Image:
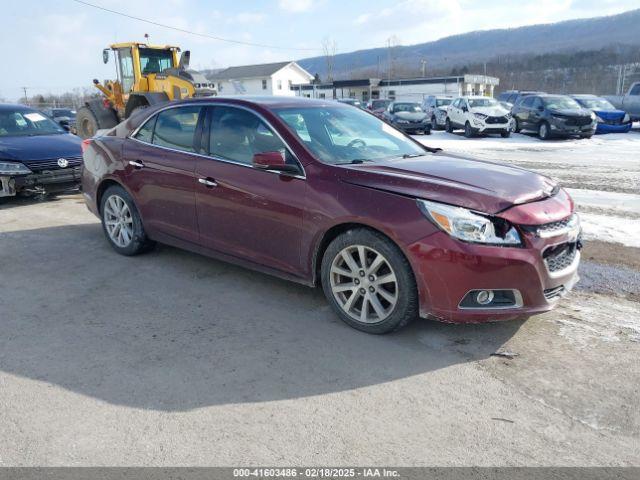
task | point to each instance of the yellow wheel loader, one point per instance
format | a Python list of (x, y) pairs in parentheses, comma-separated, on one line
[(147, 75)]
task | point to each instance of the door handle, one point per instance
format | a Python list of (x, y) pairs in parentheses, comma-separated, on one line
[(208, 182), (135, 164)]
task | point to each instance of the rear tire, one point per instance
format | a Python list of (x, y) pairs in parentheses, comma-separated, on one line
[(86, 123), (544, 131), (121, 222), (368, 282)]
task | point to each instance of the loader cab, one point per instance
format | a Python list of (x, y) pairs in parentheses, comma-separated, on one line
[(135, 61)]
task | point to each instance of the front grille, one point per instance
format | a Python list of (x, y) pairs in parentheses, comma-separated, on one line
[(553, 293), (494, 120), (51, 164), (553, 227), (559, 257), (578, 121)]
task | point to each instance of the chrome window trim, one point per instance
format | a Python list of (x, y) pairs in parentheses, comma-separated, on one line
[(215, 157)]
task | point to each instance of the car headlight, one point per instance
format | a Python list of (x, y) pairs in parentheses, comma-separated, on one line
[(598, 119), (13, 168), (469, 226), (593, 116), (480, 116), (626, 118)]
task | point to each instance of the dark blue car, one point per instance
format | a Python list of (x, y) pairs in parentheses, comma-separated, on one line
[(609, 118), (36, 154)]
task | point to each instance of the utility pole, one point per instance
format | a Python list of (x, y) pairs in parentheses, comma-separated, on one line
[(424, 67), (26, 99)]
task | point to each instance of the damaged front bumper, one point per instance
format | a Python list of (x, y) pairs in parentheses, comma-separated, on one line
[(45, 181)]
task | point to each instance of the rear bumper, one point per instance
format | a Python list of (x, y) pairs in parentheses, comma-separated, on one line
[(447, 270)]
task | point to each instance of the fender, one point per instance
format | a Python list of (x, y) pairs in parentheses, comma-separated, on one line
[(137, 99)]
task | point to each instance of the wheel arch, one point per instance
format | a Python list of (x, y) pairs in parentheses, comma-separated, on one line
[(338, 229), (110, 182)]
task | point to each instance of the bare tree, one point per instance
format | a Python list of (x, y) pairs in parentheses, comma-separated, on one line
[(329, 47)]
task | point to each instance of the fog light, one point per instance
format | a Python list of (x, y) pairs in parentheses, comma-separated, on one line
[(484, 297)]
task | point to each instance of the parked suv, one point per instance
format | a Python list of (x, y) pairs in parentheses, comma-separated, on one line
[(478, 115), (435, 106), (553, 116), (325, 194)]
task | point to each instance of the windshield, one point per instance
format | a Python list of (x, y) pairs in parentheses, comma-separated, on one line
[(407, 107), (26, 122), (483, 102), (376, 104), (154, 61), (343, 135), (596, 103), (443, 102), (560, 103), (63, 112)]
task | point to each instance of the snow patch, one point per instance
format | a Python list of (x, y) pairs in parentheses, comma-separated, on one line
[(609, 228)]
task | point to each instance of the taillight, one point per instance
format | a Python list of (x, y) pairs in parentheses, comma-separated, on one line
[(85, 144)]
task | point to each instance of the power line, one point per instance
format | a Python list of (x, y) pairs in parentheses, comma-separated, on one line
[(205, 35)]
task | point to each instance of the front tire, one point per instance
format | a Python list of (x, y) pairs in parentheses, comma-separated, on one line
[(505, 134), (544, 131), (121, 222), (434, 123), (86, 123), (468, 131), (368, 282)]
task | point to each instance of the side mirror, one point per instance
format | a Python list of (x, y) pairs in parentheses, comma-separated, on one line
[(184, 60), (540, 108), (273, 161), (105, 55), (465, 109)]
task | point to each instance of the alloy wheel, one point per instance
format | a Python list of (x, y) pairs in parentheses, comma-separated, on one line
[(118, 221), (364, 284)]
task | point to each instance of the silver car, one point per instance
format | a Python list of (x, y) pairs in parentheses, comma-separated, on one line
[(435, 106)]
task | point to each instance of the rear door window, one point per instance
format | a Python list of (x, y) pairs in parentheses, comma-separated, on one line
[(635, 90), (175, 128)]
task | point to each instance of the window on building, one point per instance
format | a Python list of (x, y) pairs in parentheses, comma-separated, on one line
[(264, 84), (322, 95), (279, 84)]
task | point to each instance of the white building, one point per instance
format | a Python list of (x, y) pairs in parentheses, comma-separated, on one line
[(408, 89), (265, 79)]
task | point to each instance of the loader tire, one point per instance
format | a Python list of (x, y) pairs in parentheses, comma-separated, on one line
[(86, 123)]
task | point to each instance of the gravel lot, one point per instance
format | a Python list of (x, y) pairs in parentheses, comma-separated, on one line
[(175, 359)]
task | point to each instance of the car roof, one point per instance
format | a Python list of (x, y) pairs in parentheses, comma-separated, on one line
[(265, 101), (12, 107)]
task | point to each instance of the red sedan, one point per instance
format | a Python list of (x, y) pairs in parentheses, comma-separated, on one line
[(326, 194)]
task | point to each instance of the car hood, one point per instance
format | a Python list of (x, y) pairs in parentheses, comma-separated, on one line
[(410, 115), (490, 111), (572, 112), (610, 114), (40, 147), (474, 184)]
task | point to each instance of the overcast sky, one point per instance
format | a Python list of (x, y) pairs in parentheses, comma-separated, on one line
[(56, 45)]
